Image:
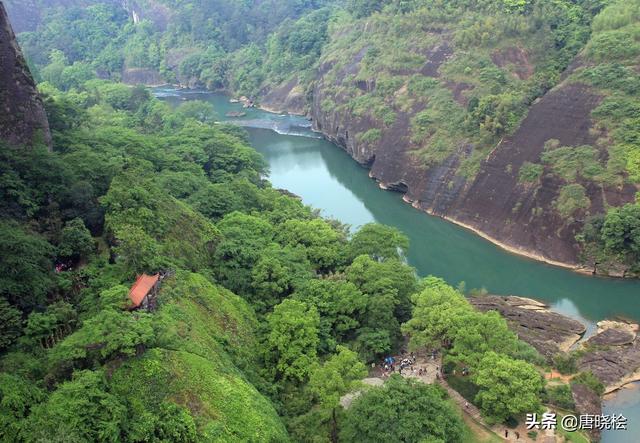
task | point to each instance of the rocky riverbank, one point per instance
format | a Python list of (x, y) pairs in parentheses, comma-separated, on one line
[(547, 331), (612, 354)]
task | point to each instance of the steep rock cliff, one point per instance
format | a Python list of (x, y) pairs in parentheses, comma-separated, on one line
[(405, 112), (23, 119)]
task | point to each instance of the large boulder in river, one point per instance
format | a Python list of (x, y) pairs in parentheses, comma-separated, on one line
[(547, 331)]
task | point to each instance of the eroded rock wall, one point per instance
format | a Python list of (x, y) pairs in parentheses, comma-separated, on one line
[(521, 217), (23, 120)]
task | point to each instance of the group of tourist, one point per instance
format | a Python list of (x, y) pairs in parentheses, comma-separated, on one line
[(406, 366)]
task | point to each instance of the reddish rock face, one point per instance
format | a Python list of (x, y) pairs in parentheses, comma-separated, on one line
[(519, 216), (23, 120)]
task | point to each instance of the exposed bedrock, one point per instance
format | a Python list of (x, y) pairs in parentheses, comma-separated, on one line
[(612, 354), (23, 120), (520, 217), (547, 331)]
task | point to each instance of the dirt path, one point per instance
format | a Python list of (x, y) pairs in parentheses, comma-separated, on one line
[(430, 368)]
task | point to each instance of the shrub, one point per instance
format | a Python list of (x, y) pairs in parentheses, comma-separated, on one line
[(589, 380), (530, 172), (572, 198), (559, 396)]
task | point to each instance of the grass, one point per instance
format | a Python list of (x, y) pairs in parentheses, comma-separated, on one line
[(574, 436)]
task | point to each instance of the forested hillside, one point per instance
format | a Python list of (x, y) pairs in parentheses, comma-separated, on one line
[(493, 114), (516, 118), (265, 315)]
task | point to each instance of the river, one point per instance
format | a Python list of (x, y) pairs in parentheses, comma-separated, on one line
[(326, 177)]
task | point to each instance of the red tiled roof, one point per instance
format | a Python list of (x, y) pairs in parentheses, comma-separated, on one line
[(141, 288)]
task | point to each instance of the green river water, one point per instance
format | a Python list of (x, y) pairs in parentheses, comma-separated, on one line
[(325, 177)]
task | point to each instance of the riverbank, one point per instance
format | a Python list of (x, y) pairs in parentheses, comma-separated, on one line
[(511, 249), (612, 354)]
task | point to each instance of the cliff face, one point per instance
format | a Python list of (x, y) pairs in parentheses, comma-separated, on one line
[(523, 216), (23, 120), (518, 216)]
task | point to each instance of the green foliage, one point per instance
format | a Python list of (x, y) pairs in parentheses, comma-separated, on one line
[(277, 274), (591, 381), (321, 241), (364, 8), (243, 238), (570, 162), (530, 172), (423, 413), (198, 110), (559, 396), (293, 340), (17, 397), (341, 306), (79, 410), (508, 387), (76, 240), (337, 376), (572, 198), (621, 231), (108, 334), (371, 136), (10, 324), (387, 286), (26, 260), (566, 363), (438, 313), (378, 241)]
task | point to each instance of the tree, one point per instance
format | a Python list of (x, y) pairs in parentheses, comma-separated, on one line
[(341, 306), (106, 335), (277, 273), (76, 240), (27, 265), (387, 287), (402, 410), (323, 244), (508, 387), (373, 277), (17, 397), (79, 410), (481, 333), (364, 8), (621, 231), (197, 110), (10, 324), (49, 327), (378, 241), (337, 376), (137, 249), (293, 340), (438, 315), (244, 237)]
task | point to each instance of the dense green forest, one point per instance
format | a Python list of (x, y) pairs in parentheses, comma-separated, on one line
[(269, 313)]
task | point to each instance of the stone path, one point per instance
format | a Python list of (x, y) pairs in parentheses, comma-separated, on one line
[(377, 376), (464, 405)]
